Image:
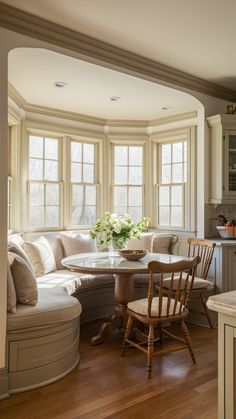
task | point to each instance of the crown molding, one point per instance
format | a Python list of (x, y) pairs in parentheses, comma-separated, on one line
[(16, 96), (173, 118), (58, 113), (110, 56)]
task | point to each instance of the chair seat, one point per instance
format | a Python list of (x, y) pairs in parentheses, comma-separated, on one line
[(141, 307), (198, 283)]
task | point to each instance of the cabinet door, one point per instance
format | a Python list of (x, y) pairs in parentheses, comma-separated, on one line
[(230, 164), (229, 270)]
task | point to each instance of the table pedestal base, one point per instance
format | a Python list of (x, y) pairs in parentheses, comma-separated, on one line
[(124, 290)]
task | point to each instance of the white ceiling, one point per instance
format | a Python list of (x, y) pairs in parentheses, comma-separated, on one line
[(33, 71), (197, 37)]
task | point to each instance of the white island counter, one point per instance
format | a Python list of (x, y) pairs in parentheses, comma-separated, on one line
[(225, 305)]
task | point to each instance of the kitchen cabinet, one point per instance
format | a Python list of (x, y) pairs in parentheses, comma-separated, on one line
[(225, 305), (223, 159)]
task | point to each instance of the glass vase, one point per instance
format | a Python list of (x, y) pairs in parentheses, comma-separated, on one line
[(117, 243)]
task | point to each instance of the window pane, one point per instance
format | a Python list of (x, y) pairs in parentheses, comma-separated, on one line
[(176, 216), (76, 152), (177, 152), (52, 216), (176, 195), (89, 215), (120, 210), (77, 215), (120, 196), (36, 169), (88, 173), (121, 176), (77, 195), (164, 195), (177, 173), (166, 173), (36, 194), (166, 153), (121, 155), (90, 195), (164, 216), (135, 213), (52, 194), (51, 148), (37, 216), (135, 197), (76, 175), (135, 175), (88, 153), (35, 146), (135, 156), (51, 170)]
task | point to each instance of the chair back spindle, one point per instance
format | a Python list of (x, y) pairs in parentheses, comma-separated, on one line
[(204, 249), (175, 301)]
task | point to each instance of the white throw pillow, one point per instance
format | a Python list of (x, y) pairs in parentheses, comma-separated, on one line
[(79, 243), (145, 242), (41, 256)]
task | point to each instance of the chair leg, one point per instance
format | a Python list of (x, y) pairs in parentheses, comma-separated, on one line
[(206, 311), (188, 340), (150, 350), (127, 333), (160, 335)]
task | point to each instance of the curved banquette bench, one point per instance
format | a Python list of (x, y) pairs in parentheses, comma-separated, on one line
[(43, 340)]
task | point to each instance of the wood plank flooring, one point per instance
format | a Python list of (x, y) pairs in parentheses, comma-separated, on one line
[(105, 385)]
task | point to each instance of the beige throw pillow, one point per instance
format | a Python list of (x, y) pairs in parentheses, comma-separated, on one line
[(14, 248), (161, 244), (24, 280), (41, 256), (11, 292), (80, 243)]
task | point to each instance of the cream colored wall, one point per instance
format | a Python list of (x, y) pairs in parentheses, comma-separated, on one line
[(11, 40)]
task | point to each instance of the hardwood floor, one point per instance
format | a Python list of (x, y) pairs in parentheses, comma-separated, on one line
[(105, 385)]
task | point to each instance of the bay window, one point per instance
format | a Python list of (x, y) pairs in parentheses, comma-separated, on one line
[(128, 182), (44, 182)]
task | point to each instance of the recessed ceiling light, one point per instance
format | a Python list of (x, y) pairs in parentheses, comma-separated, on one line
[(167, 108), (115, 98), (60, 84)]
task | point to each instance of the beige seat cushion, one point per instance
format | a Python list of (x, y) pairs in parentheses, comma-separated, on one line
[(53, 307), (72, 281), (198, 283), (41, 256), (11, 292), (141, 306), (77, 243), (24, 280)]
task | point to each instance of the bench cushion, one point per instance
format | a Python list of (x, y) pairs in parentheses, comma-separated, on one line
[(72, 281), (54, 306)]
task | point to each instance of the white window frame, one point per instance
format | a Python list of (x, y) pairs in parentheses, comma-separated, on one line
[(44, 182), (126, 143), (69, 183), (189, 211)]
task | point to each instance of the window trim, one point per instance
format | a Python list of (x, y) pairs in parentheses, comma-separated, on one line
[(127, 143), (183, 134)]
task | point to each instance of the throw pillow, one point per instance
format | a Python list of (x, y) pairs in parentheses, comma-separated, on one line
[(11, 292), (24, 280), (80, 243), (14, 248), (145, 242), (161, 244), (41, 256)]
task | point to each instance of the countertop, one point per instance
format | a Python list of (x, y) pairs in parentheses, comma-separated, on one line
[(223, 303), (222, 242)]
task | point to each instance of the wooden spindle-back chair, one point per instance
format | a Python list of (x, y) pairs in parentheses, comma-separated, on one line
[(204, 249), (153, 311)]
